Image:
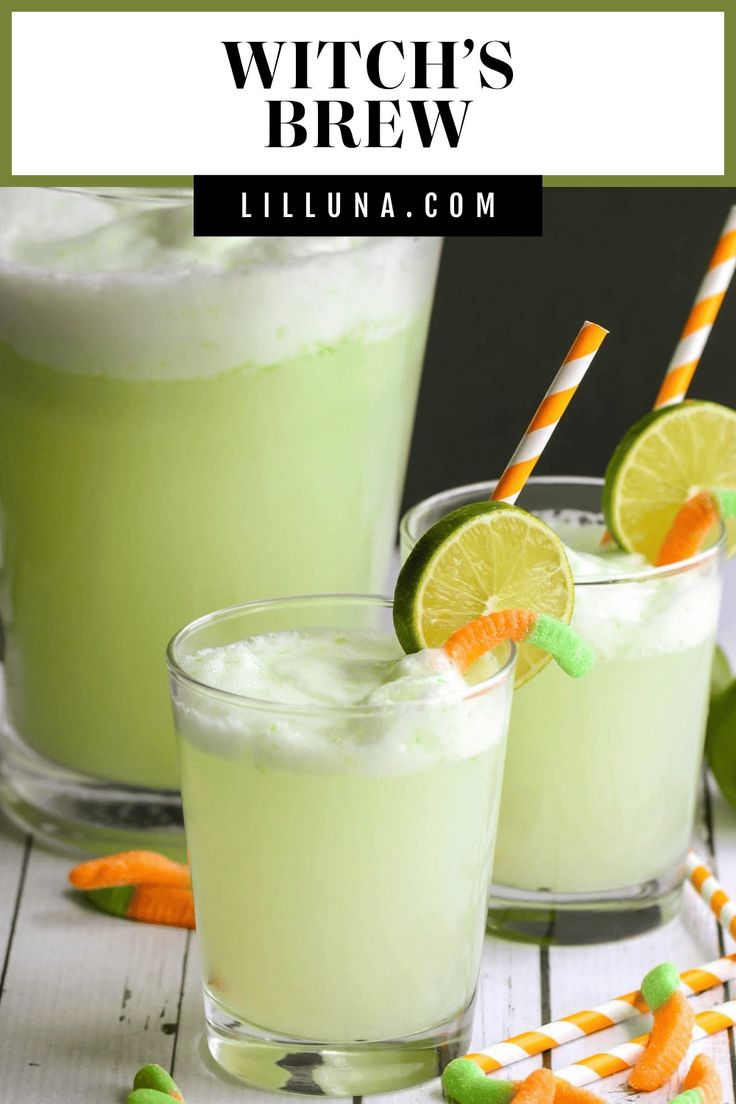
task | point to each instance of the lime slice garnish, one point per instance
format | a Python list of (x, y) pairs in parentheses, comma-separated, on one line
[(665, 458), (480, 558)]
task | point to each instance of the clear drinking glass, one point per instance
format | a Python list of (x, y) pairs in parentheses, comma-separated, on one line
[(184, 424), (340, 861), (601, 774)]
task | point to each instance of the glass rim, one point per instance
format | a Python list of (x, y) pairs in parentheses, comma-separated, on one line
[(140, 194), (359, 709), (407, 527), (163, 197)]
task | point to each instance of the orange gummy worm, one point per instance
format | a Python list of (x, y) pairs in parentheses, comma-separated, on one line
[(172, 905), (538, 1088), (473, 640), (692, 522), (130, 868), (703, 1075), (672, 1030), (565, 1093)]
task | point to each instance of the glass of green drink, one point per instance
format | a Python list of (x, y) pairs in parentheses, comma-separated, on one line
[(184, 424), (601, 774), (340, 801)]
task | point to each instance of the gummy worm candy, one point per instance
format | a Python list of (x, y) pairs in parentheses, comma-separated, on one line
[(481, 635), (465, 1083), (702, 1085), (152, 1085), (659, 984), (670, 1037), (138, 885), (538, 1088), (130, 868), (149, 1096), (692, 523), (565, 1093), (152, 904)]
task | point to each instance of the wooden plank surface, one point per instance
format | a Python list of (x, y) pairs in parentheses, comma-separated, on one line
[(14, 856), (87, 997)]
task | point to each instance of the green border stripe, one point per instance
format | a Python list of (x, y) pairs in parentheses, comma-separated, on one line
[(728, 7)]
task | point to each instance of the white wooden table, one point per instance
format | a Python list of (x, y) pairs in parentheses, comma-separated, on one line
[(85, 998)]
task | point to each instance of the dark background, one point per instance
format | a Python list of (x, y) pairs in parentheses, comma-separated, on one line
[(507, 310)]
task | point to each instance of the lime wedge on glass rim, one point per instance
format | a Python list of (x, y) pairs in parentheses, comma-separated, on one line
[(479, 558), (664, 458)]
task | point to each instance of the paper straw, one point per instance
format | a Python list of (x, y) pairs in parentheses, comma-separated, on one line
[(624, 1056), (711, 292), (618, 1058), (550, 410), (712, 892), (590, 1020)]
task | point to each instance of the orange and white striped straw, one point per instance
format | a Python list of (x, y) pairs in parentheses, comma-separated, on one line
[(696, 332), (712, 892), (550, 410), (607, 1062), (623, 1057), (590, 1020), (711, 292)]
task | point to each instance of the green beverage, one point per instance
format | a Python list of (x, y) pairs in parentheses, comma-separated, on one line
[(601, 774), (610, 764), (340, 802), (185, 423)]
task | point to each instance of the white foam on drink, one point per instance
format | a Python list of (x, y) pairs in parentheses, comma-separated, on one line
[(345, 702), (656, 615), (119, 286)]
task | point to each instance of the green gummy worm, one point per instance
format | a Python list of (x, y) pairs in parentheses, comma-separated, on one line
[(727, 503), (148, 1096), (155, 1077), (114, 900), (689, 1096), (465, 1083), (573, 654), (659, 984)]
